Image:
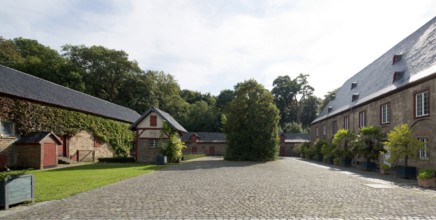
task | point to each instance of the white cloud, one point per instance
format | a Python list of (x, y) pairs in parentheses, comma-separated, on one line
[(213, 45)]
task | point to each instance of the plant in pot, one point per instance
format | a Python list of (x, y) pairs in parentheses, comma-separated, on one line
[(384, 169), (426, 178), (402, 145), (343, 140), (318, 145), (369, 145), (327, 152), (302, 148), (309, 152)]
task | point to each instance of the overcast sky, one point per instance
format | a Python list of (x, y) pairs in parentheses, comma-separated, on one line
[(211, 45)]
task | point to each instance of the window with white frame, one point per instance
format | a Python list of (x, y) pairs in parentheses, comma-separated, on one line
[(362, 119), (423, 153), (347, 122), (421, 104), (385, 113), (6, 129)]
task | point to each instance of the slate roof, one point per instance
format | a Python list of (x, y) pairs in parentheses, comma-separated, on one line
[(296, 137), (36, 138), (417, 60), (167, 117), (18, 84), (205, 136)]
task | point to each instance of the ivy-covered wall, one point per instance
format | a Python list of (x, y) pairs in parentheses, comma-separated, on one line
[(30, 116)]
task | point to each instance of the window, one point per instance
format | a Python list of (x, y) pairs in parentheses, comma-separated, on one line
[(334, 127), (6, 129), (396, 58), (152, 143), (324, 130), (317, 131), (423, 153), (153, 120), (353, 85), (397, 76), (362, 119), (421, 104), (347, 123), (385, 114), (354, 97)]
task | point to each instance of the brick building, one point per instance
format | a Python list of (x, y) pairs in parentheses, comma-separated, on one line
[(398, 87), (27, 90)]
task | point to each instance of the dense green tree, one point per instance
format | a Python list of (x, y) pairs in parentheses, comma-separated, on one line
[(402, 145), (327, 98), (202, 117), (103, 69), (369, 142), (194, 96), (9, 53), (224, 98), (309, 110), (252, 124)]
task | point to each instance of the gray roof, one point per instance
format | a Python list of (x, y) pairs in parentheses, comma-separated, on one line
[(417, 60), (296, 137), (37, 137), (21, 85), (205, 136), (167, 117)]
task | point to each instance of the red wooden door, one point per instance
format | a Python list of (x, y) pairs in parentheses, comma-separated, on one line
[(194, 149), (211, 150), (49, 154)]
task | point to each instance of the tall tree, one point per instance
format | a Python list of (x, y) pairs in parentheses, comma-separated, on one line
[(327, 98), (103, 69), (224, 98), (252, 124), (9, 54)]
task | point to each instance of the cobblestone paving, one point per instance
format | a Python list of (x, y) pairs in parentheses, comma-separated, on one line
[(211, 188)]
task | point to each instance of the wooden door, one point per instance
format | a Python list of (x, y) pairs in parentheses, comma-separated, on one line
[(50, 156), (212, 151)]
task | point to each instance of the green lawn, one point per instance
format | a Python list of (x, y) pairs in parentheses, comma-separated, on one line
[(61, 183)]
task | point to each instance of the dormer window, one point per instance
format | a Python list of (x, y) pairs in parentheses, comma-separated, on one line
[(396, 58), (329, 109), (355, 97), (353, 85), (333, 97), (397, 76)]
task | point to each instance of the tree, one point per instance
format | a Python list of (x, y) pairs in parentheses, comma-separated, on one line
[(174, 146), (224, 98), (327, 98), (369, 142), (202, 117), (9, 54), (252, 124), (103, 69), (342, 140), (401, 144), (309, 110)]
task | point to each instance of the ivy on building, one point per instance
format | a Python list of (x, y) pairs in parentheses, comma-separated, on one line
[(29, 117)]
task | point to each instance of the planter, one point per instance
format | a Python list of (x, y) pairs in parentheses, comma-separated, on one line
[(319, 157), (405, 172), (368, 166), (427, 183), (17, 190), (346, 162), (384, 171), (161, 160)]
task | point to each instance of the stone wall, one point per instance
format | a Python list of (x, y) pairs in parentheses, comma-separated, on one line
[(219, 148), (30, 156), (85, 142), (7, 151), (145, 153)]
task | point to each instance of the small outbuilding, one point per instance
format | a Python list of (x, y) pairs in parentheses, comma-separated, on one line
[(38, 150)]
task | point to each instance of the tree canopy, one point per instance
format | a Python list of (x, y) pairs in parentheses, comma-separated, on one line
[(252, 124)]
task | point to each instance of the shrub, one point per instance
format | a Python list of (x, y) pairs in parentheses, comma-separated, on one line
[(426, 174), (12, 174), (116, 160), (385, 167)]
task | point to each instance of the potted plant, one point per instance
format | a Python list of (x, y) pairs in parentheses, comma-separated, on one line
[(402, 145), (16, 187), (384, 169), (369, 145), (302, 148), (318, 145), (337, 161), (327, 152), (343, 140), (426, 178)]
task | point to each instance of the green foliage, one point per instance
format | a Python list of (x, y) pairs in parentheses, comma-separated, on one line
[(369, 142), (174, 146), (252, 124), (302, 147), (116, 160), (12, 174), (29, 117), (343, 140), (294, 127), (309, 152), (426, 173), (327, 150), (385, 167), (401, 144)]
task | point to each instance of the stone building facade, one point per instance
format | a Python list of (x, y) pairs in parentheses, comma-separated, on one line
[(397, 88), (149, 138), (207, 143)]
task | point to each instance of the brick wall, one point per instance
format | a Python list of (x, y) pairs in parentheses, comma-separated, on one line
[(84, 141)]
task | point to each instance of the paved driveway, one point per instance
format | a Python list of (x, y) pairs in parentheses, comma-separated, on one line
[(211, 188)]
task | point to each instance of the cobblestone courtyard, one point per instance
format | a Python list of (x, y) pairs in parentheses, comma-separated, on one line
[(211, 188)]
